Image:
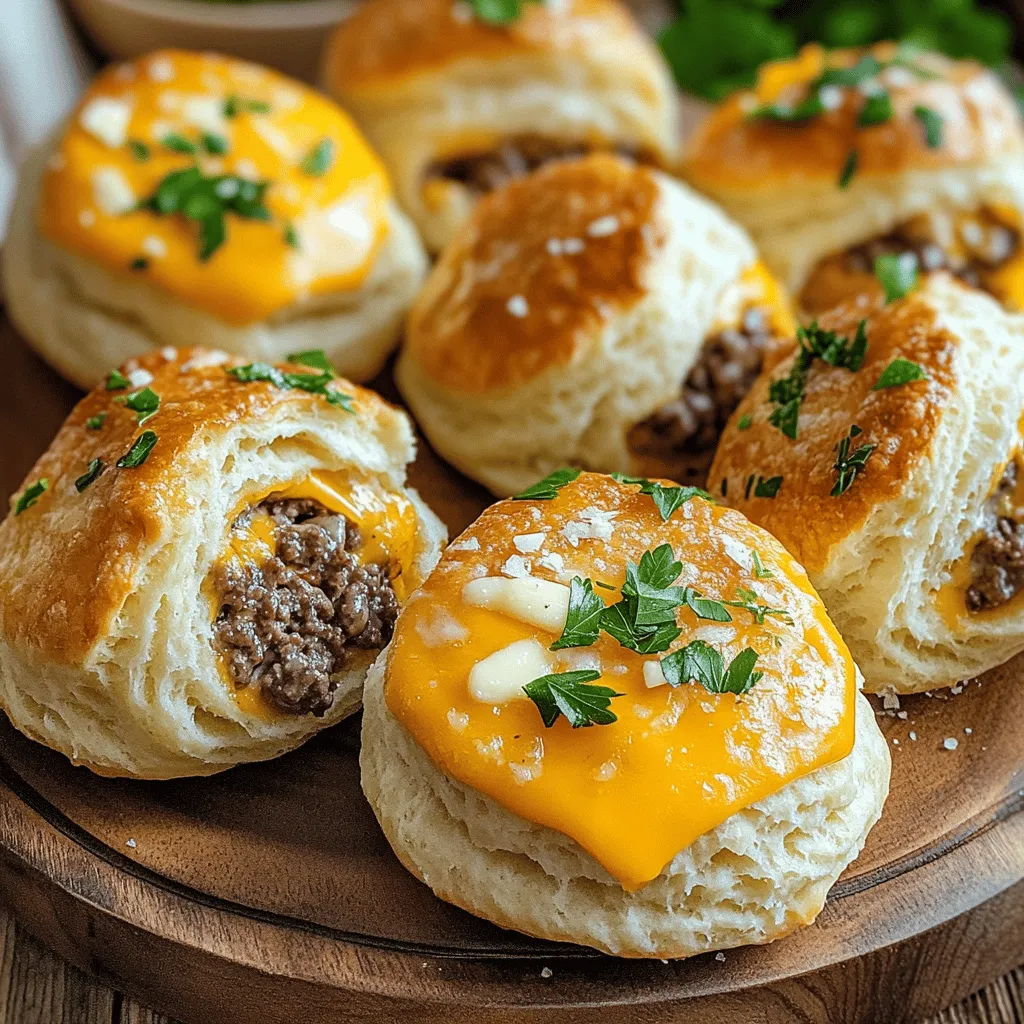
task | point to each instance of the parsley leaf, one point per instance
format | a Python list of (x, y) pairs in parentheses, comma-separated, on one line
[(706, 607), (214, 144), (699, 661), (763, 488), (139, 149), (744, 423), (760, 572), (747, 600), (667, 499), (315, 359), (139, 263), (548, 488), (644, 620), (95, 468), (570, 694), (235, 105), (897, 274), (848, 465), (314, 383), (866, 68), (145, 403), (810, 106), (583, 621), (31, 495), (877, 109), (117, 381), (291, 237), (96, 422), (932, 121), (178, 144), (849, 169), (319, 159), (139, 451), (899, 371), (499, 12)]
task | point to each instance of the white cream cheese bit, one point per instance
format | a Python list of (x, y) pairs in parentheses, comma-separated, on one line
[(106, 119), (537, 602), (653, 674), (501, 676)]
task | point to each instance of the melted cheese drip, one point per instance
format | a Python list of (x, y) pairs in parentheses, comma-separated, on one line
[(756, 286), (339, 217), (388, 534), (678, 762)]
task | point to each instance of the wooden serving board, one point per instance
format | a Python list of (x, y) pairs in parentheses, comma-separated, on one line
[(268, 893)]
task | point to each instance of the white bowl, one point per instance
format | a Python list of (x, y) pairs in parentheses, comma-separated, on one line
[(288, 35)]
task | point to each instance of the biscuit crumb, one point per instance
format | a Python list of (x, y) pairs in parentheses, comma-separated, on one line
[(131, 844), (720, 957), (546, 972), (518, 306)]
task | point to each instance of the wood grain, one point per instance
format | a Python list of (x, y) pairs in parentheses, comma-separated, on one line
[(268, 894)]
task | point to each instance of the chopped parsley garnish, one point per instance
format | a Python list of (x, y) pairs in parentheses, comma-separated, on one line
[(314, 383), (706, 607), (96, 422), (235, 105), (499, 12), (899, 371), (699, 661), (319, 159), (810, 106), (207, 200), (744, 423), (548, 488), (747, 600), (178, 144), (139, 451), (583, 621), (761, 487), (139, 149), (95, 468), (848, 464), (315, 359), (849, 169), (139, 263), (31, 495), (116, 381), (877, 109), (667, 499), (571, 694), (932, 122), (760, 572), (897, 274), (145, 403), (644, 619), (214, 144), (291, 237), (864, 70)]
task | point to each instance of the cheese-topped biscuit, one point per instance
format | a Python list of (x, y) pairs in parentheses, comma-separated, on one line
[(624, 719), (595, 313), (884, 454), (457, 106), (200, 569), (195, 199), (837, 158)]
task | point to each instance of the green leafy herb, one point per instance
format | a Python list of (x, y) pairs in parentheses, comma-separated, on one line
[(139, 149), (315, 359), (548, 488), (319, 159), (744, 423), (899, 371), (667, 499), (95, 468), (747, 599), (139, 451), (897, 273), (583, 620), (235, 105), (291, 237), (765, 488), (644, 619), (116, 381), (760, 572), (315, 383), (207, 200), (932, 121), (178, 143), (848, 465), (877, 109), (145, 403), (864, 70), (570, 694), (139, 263), (849, 169), (706, 607), (810, 106), (96, 422), (31, 495), (700, 662), (214, 144), (499, 12)]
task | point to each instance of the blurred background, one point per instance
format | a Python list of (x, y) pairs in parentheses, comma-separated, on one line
[(49, 47)]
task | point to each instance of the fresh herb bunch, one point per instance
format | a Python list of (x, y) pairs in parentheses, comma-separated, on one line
[(715, 46)]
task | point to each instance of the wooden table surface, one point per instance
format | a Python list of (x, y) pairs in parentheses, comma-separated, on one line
[(36, 987)]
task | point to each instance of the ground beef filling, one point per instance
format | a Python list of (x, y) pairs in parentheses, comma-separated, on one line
[(687, 429), (967, 248), (289, 624), (997, 562), (485, 172)]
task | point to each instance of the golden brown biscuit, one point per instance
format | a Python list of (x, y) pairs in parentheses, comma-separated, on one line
[(201, 568), (893, 479), (899, 152), (456, 106)]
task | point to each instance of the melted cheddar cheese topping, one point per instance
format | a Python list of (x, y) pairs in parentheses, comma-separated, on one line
[(388, 534), (326, 201), (678, 761), (755, 287)]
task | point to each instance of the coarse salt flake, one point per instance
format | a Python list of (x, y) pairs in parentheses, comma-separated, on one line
[(154, 246), (458, 720), (160, 69), (516, 566), (528, 542), (603, 226), (106, 119), (518, 306), (140, 378), (951, 743)]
